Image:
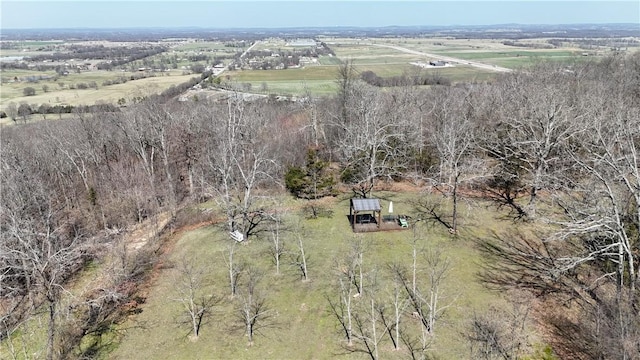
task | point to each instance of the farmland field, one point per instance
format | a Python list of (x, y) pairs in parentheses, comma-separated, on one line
[(317, 78)]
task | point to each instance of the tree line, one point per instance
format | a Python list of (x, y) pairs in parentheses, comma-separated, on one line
[(552, 146)]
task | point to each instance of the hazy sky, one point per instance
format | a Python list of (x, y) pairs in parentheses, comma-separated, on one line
[(23, 14)]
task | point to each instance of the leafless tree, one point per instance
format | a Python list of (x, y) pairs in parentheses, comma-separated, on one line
[(234, 267), (500, 333), (399, 304), (136, 132), (349, 289), (563, 271), (370, 146), (276, 232), (427, 304), (193, 294), (534, 124), (239, 160), (300, 259), (252, 308), (316, 125), (39, 249), (603, 215), (453, 136), (367, 329), (346, 76)]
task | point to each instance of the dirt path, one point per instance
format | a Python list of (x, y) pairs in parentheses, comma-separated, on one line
[(146, 230)]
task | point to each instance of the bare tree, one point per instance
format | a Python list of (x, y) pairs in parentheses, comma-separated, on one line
[(567, 271), (197, 303), (499, 333), (603, 215), (343, 308), (234, 268), (39, 249), (356, 258), (370, 143), (453, 137), (350, 279), (252, 309), (316, 125), (238, 158), (24, 110), (367, 329), (137, 135), (345, 78), (276, 230), (437, 268), (534, 125), (300, 259), (427, 304), (399, 304)]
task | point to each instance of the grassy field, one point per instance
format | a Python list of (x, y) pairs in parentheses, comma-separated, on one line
[(303, 326), (13, 92), (299, 74), (318, 80), (321, 80), (207, 46)]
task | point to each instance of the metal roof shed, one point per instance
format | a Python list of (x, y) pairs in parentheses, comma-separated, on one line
[(364, 205)]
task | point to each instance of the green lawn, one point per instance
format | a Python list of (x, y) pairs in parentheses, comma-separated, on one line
[(303, 326)]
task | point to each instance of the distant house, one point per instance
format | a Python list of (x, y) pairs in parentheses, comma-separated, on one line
[(437, 63)]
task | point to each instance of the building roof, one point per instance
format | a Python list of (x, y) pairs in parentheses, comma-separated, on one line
[(365, 204)]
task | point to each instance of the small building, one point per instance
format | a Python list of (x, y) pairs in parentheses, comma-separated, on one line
[(437, 63), (364, 211)]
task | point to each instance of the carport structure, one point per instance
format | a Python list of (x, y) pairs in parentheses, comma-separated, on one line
[(365, 211)]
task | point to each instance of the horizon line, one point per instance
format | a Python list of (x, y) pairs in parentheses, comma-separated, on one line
[(315, 27)]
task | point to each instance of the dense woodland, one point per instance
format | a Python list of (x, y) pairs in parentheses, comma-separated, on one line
[(553, 146)]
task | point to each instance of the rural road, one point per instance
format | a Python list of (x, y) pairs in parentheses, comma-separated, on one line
[(445, 58), (241, 56), (249, 49), (217, 74)]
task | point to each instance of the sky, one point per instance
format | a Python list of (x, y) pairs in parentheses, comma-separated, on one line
[(25, 14)]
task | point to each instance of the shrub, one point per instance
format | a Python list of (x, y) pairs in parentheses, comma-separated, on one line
[(29, 91)]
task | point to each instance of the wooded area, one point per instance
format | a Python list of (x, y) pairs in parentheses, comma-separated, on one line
[(557, 146)]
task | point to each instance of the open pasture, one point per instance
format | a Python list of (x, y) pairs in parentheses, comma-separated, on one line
[(56, 94)]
